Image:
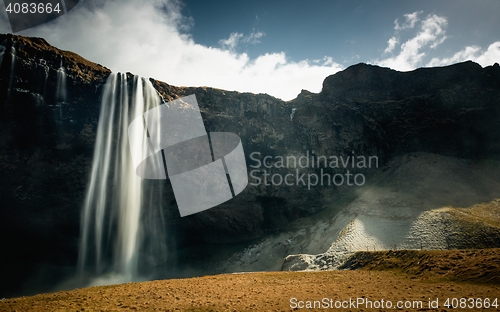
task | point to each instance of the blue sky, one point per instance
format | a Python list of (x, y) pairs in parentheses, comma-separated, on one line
[(340, 29), (277, 47)]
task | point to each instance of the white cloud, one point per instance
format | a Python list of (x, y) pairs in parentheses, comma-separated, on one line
[(149, 38), (325, 61), (391, 44), (232, 41), (411, 20), (473, 53), (490, 56), (235, 38), (465, 54), (431, 33), (254, 37)]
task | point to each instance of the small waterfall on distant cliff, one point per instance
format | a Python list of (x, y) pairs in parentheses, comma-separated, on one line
[(46, 69), (5, 53), (61, 88), (122, 220), (2, 50), (12, 66)]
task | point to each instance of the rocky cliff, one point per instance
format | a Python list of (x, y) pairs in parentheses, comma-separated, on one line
[(47, 138)]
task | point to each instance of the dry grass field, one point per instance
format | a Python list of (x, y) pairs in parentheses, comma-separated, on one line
[(407, 278)]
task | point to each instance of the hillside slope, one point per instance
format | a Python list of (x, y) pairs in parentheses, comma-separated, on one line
[(417, 201)]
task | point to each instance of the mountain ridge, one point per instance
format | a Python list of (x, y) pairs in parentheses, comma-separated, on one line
[(47, 144)]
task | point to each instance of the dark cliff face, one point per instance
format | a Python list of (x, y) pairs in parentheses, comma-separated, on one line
[(450, 110), (46, 145)]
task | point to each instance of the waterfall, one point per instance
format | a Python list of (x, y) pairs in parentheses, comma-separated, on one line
[(12, 66), (46, 69), (61, 88), (2, 51), (122, 225), (61, 84)]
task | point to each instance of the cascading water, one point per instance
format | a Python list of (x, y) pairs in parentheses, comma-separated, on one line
[(122, 227), (12, 66), (46, 69), (2, 51), (61, 88)]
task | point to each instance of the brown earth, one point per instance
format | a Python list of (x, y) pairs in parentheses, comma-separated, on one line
[(413, 276), (479, 266), (76, 65)]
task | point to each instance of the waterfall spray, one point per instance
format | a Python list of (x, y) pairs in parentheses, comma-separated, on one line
[(121, 216)]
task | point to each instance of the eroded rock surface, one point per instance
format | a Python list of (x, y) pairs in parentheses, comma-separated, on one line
[(46, 147)]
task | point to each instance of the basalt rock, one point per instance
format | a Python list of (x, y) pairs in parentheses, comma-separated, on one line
[(46, 146)]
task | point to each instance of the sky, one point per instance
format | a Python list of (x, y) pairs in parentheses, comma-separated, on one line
[(278, 47)]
